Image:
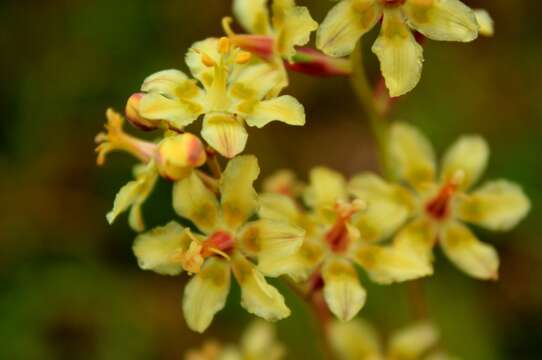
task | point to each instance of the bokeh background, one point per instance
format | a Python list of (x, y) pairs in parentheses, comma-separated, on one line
[(70, 287)]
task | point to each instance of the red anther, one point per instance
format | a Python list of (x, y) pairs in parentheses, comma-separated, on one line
[(439, 206), (337, 237), (220, 240)]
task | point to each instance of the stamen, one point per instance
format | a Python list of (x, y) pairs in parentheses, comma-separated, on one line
[(224, 45), (438, 207), (226, 25), (243, 57), (207, 60), (338, 237)]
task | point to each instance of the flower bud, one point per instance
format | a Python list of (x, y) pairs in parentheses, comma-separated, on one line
[(312, 62), (177, 155), (135, 118), (259, 45)]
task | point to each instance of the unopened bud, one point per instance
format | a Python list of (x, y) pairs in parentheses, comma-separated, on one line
[(134, 117), (259, 45), (177, 155), (312, 62)]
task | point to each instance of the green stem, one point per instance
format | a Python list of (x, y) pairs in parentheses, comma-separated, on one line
[(364, 92)]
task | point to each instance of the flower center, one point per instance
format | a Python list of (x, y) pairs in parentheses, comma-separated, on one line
[(339, 237), (439, 206), (392, 3), (220, 242)]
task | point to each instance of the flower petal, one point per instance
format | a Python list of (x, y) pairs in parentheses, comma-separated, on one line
[(193, 58), (253, 15), (259, 342), (180, 112), (477, 259), (254, 82), (497, 205), (326, 188), (278, 207), (487, 26), (285, 108), (401, 57), (224, 133), (343, 293), (164, 82), (345, 23), (155, 249), (417, 238), (468, 155), (206, 294), (238, 198), (388, 206), (257, 296), (413, 342), (388, 264), (270, 239), (355, 340), (444, 20), (192, 200), (299, 266), (133, 195), (293, 26), (412, 155)]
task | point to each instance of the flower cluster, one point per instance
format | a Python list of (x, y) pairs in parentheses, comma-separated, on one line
[(316, 235)]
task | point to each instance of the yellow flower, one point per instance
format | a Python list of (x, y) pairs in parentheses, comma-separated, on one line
[(257, 343), (235, 91), (358, 340), (226, 243), (290, 25), (434, 208), (332, 244), (400, 56)]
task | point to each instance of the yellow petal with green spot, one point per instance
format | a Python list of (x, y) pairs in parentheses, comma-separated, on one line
[(192, 200), (133, 195), (388, 206), (475, 258), (285, 109), (239, 200), (468, 156), (206, 294), (400, 55), (293, 29), (411, 155), (497, 205), (270, 239), (343, 292), (325, 189), (299, 266), (253, 15), (388, 264), (155, 250), (444, 20), (355, 340), (257, 296), (413, 341), (224, 133), (345, 23)]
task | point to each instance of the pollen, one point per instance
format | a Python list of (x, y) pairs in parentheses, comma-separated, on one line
[(224, 45), (243, 57)]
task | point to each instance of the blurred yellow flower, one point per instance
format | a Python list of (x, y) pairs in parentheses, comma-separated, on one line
[(236, 90), (226, 242), (257, 343), (358, 340), (332, 243), (400, 56), (434, 208)]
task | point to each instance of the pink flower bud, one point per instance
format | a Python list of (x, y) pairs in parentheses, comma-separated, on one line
[(312, 62)]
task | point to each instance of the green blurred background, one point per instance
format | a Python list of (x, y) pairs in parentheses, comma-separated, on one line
[(69, 285)]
